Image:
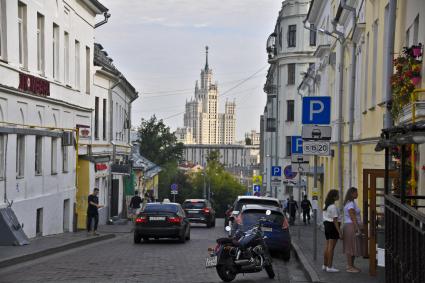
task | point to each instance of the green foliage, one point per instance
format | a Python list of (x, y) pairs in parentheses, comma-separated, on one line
[(248, 141), (158, 143)]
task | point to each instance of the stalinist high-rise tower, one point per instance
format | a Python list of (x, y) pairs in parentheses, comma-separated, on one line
[(202, 122)]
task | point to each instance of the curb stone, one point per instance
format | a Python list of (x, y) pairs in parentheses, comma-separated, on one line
[(308, 268), (43, 253)]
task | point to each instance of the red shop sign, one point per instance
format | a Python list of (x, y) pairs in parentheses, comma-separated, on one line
[(101, 166), (33, 84)]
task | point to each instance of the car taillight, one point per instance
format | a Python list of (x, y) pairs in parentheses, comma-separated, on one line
[(142, 219), (206, 210), (285, 224), (174, 219)]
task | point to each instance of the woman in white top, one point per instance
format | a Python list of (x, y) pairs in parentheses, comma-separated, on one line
[(353, 230), (332, 231)]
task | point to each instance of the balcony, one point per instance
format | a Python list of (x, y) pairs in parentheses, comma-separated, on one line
[(271, 125), (406, 112), (271, 90)]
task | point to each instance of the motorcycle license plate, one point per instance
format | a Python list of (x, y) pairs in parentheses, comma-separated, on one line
[(266, 229), (211, 261)]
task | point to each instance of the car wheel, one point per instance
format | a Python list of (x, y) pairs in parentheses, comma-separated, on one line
[(209, 224), (137, 238), (286, 255), (188, 234), (145, 239), (213, 224), (182, 238)]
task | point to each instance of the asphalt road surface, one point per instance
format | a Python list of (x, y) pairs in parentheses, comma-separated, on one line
[(120, 260)]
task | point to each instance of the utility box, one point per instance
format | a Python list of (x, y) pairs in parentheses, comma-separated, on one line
[(11, 231)]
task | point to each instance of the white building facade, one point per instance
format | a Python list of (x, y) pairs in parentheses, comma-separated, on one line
[(46, 55), (290, 49), (202, 122)]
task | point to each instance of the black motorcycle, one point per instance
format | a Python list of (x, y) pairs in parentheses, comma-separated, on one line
[(246, 252)]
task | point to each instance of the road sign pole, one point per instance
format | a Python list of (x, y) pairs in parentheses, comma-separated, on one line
[(174, 197), (315, 212)]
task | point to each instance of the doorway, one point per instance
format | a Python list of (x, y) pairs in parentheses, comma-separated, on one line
[(39, 222), (373, 214), (66, 208), (115, 196)]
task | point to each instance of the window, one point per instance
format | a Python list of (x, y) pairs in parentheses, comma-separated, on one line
[(2, 154), (290, 110), (375, 62), (20, 155), (22, 33), (65, 159), (38, 155), (66, 57), (288, 145), (2, 28), (40, 43), (416, 30), (366, 75), (77, 64), (96, 117), (291, 74), (54, 155), (87, 70), (292, 35), (104, 119), (55, 51), (313, 34)]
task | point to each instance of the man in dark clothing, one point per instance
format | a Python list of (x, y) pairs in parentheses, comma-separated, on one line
[(293, 208), (135, 202), (306, 206), (92, 213)]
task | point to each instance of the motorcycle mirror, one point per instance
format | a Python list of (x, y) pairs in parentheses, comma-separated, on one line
[(268, 212), (227, 228), (235, 212)]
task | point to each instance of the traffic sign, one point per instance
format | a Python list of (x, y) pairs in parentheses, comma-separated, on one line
[(276, 171), (298, 158), (275, 183), (257, 179), (288, 172), (174, 187), (301, 168), (174, 192), (316, 110), (297, 145), (314, 132), (256, 188), (317, 148)]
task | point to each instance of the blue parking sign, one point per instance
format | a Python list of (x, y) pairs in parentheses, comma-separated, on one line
[(297, 145), (276, 171), (316, 110)]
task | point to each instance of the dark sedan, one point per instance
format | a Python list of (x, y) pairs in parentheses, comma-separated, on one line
[(161, 220), (200, 211)]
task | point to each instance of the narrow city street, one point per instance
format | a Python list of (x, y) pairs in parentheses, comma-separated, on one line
[(119, 260)]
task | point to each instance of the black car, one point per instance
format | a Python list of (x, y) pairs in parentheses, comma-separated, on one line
[(161, 220), (199, 211)]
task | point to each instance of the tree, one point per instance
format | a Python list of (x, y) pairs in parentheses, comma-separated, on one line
[(248, 141), (158, 143)]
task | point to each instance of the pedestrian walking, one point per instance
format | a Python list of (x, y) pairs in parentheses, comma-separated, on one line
[(353, 230), (306, 206), (331, 221), (92, 211), (293, 208), (285, 206), (135, 202)]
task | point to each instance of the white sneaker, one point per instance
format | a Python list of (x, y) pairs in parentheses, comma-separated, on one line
[(324, 267), (331, 269)]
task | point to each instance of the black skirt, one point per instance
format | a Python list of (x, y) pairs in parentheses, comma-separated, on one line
[(330, 231)]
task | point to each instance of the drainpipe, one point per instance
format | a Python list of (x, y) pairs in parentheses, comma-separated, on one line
[(388, 57), (341, 39), (104, 21), (351, 94), (277, 125)]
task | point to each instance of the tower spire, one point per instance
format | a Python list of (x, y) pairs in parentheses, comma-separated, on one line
[(206, 58)]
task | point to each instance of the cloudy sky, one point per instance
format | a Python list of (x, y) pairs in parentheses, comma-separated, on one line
[(159, 45)]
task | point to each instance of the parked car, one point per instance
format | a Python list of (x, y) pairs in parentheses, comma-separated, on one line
[(275, 227), (200, 211), (244, 200), (161, 220)]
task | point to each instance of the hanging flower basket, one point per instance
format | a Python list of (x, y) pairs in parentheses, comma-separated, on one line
[(406, 78)]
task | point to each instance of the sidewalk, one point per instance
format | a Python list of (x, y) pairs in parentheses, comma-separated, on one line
[(47, 245), (302, 239)]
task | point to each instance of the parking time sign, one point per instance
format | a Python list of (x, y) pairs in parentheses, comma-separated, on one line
[(316, 110)]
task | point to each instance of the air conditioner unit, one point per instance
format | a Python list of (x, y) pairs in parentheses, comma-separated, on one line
[(67, 139)]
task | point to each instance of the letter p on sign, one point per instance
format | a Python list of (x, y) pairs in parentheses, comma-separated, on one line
[(316, 110)]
